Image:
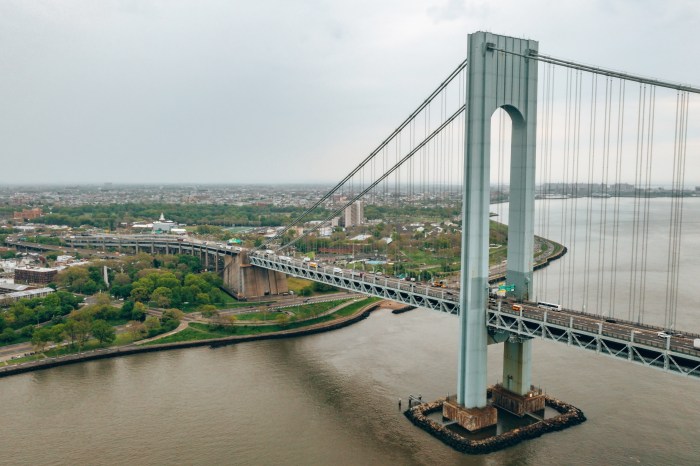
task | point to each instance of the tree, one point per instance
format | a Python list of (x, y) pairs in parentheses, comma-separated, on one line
[(139, 312), (57, 332), (70, 331), (8, 335), (137, 329), (121, 279), (103, 332), (40, 338), (208, 311), (127, 308), (162, 296), (221, 320), (140, 294), (83, 328), (102, 299), (202, 298), (152, 324), (172, 315)]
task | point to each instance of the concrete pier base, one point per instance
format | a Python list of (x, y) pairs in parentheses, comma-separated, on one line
[(472, 419), (532, 401)]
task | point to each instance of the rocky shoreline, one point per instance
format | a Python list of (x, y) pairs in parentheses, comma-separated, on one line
[(569, 416)]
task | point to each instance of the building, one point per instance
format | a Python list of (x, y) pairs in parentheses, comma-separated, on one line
[(26, 214), (34, 276), (163, 225), (354, 214), (11, 296)]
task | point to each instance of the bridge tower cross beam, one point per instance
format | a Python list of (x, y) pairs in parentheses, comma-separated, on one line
[(498, 76)]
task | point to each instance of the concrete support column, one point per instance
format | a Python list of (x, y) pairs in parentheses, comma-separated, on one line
[(517, 366)]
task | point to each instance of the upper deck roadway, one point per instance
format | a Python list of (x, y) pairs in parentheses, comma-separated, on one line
[(633, 342)]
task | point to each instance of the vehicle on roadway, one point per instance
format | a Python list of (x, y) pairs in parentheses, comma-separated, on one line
[(549, 306), (337, 270), (696, 343), (313, 264), (663, 335)]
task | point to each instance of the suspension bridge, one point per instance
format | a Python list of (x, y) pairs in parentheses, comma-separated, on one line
[(597, 160)]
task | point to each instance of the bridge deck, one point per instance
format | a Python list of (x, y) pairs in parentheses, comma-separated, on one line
[(637, 343), (629, 341)]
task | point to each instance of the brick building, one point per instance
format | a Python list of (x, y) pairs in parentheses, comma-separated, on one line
[(34, 276)]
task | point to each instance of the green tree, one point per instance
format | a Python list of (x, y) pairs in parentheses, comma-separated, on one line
[(208, 310), (140, 294), (8, 335), (70, 331), (139, 312), (57, 332), (83, 329), (103, 332), (172, 315), (152, 324), (162, 296), (126, 309), (40, 338)]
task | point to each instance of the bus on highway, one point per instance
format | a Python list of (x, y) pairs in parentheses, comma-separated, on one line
[(550, 306)]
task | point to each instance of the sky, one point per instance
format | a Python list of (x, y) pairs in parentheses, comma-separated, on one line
[(271, 91)]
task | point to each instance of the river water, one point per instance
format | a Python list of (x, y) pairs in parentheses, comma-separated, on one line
[(331, 399)]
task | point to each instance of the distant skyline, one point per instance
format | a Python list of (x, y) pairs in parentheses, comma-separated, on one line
[(233, 92)]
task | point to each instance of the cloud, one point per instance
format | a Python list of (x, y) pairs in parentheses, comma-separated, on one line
[(233, 91)]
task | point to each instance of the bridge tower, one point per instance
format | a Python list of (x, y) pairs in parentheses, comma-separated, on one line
[(499, 75)]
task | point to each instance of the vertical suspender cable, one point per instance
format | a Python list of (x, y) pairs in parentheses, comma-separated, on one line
[(647, 199), (617, 191)]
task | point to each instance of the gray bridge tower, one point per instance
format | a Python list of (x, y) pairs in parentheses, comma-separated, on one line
[(499, 75)]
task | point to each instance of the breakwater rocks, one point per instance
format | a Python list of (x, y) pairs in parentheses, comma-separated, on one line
[(401, 310), (569, 415), (134, 349)]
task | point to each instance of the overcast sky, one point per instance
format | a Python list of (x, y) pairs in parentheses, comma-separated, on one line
[(232, 91)]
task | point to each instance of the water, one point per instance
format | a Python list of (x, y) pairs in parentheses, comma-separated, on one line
[(598, 279), (332, 399)]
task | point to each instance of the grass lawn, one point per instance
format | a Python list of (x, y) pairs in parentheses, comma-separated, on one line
[(263, 315), (228, 304), (198, 331), (295, 284), (308, 310)]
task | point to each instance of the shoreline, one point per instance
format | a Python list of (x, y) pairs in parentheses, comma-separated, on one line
[(130, 349)]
